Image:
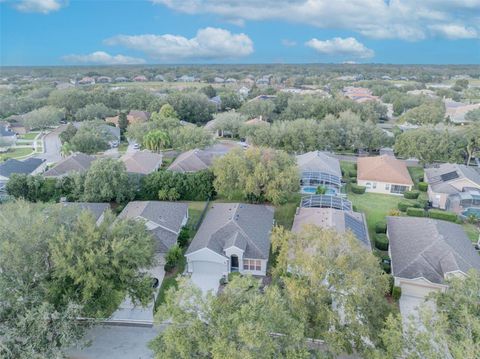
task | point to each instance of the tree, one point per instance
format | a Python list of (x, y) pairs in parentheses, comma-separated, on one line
[(156, 140), (471, 138), (43, 118), (189, 137), (71, 100), (473, 115), (229, 122), (91, 137), (333, 285), (33, 188), (230, 101), (122, 121), (95, 111), (209, 91), (66, 150), (107, 180), (167, 111), (192, 107), (57, 265), (238, 323), (429, 113), (452, 331), (256, 108), (137, 131), (67, 134), (258, 174)]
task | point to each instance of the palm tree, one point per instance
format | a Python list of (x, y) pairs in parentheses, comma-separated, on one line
[(66, 149), (156, 140)]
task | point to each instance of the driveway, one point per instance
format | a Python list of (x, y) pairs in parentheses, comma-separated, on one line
[(206, 281), (52, 145), (116, 342)]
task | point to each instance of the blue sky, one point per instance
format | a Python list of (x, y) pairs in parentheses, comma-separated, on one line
[(61, 32)]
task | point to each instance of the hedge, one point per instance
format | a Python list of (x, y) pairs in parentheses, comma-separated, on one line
[(415, 212), (403, 205), (423, 186), (396, 293), (446, 216), (381, 241), (357, 189), (381, 227), (411, 194), (352, 173)]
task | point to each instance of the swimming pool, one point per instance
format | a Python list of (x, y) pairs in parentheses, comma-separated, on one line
[(471, 211), (313, 190)]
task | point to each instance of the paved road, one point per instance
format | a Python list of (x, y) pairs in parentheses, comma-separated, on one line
[(52, 145)]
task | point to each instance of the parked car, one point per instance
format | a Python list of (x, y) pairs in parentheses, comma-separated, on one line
[(136, 146)]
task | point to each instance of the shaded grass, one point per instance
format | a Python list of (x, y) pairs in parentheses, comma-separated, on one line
[(285, 213), (15, 153), (472, 231), (29, 136)]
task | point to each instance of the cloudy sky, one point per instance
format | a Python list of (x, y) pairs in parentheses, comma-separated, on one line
[(62, 32)]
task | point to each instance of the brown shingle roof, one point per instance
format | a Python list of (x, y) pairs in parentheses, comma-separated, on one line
[(143, 162), (383, 169)]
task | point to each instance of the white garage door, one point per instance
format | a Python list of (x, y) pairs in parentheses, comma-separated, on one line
[(206, 275)]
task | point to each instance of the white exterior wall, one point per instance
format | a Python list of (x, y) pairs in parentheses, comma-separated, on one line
[(205, 255), (262, 272), (239, 253), (418, 287), (381, 187)]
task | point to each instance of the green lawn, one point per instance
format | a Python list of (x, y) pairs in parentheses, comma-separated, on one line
[(122, 147), (29, 136), (472, 231), (285, 213), (15, 153), (416, 173), (195, 209)]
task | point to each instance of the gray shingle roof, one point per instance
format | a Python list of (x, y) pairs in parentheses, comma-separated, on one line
[(143, 162), (439, 183), (428, 248), (97, 209), (246, 226), (78, 162), (12, 166), (164, 220), (196, 160), (317, 161)]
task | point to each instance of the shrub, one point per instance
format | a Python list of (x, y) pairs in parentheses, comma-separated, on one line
[(411, 194), (415, 212), (381, 241), (232, 275), (386, 268), (421, 203), (381, 227), (172, 257), (394, 213), (357, 189), (422, 186), (446, 216), (403, 205), (183, 237), (396, 293), (352, 173), (223, 281)]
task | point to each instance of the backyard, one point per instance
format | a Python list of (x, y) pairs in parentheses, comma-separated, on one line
[(15, 153)]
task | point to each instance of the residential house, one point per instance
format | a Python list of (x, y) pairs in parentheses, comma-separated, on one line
[(383, 174), (231, 80), (86, 81), (233, 237), (197, 159), (142, 162), (319, 169), (244, 91), (262, 81), (164, 220), (218, 80), (134, 116), (454, 187), (425, 253), (96, 209), (159, 78), (186, 78), (217, 101), (256, 121), (331, 218), (121, 79), (104, 79), (78, 162), (29, 166), (140, 78), (359, 94), (7, 136)]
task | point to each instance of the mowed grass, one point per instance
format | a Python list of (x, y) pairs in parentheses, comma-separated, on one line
[(29, 136), (472, 231), (285, 213), (16, 153)]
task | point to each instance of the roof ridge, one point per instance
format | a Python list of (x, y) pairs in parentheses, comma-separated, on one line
[(242, 231)]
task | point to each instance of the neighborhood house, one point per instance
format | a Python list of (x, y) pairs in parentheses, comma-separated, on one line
[(319, 169), (142, 162), (78, 162), (30, 166)]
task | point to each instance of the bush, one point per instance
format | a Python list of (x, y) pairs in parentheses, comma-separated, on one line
[(381, 227), (403, 205), (422, 186), (411, 194), (232, 275), (394, 213), (381, 241), (172, 257), (446, 216), (421, 203), (223, 281), (386, 268), (396, 293), (352, 173), (183, 237), (357, 189), (415, 212)]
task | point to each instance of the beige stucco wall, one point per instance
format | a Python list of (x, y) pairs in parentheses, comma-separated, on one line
[(380, 187)]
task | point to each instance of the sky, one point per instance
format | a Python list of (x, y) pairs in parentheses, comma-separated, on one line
[(118, 32)]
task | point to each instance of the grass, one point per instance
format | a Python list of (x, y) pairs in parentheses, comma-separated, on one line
[(285, 213), (169, 281), (472, 231), (122, 147), (29, 136), (416, 173), (195, 209), (15, 153), (347, 166)]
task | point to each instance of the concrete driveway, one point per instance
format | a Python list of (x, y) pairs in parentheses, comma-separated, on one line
[(206, 281), (52, 145)]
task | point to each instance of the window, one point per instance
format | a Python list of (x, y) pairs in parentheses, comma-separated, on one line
[(397, 189), (252, 264), (374, 185), (387, 186), (368, 184)]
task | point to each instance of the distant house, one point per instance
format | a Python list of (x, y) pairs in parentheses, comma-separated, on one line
[(134, 116), (244, 91), (383, 174), (87, 81), (142, 162), (256, 121), (454, 187), (164, 220), (331, 218), (219, 80), (455, 111), (159, 78), (30, 166), (78, 162), (121, 79), (359, 94), (7, 136), (96, 209), (217, 101), (318, 168), (140, 78), (196, 160), (262, 81), (425, 252), (104, 79), (233, 237), (231, 80), (186, 78)]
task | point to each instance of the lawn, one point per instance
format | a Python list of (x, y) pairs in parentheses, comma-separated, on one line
[(195, 209), (285, 213), (472, 231), (15, 153), (122, 147), (416, 173), (29, 136)]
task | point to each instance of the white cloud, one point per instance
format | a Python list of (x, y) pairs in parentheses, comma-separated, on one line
[(209, 43), (288, 43), (454, 31), (41, 6), (403, 19), (337, 46), (103, 58)]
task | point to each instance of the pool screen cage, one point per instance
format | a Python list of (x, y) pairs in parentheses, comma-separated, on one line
[(314, 178), (325, 201)]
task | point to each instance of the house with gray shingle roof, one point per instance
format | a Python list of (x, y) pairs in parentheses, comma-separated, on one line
[(164, 220), (233, 237), (96, 209), (30, 166), (142, 162), (453, 187), (425, 252), (78, 162), (200, 159)]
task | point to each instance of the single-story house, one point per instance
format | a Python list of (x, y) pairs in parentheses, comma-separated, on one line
[(383, 174), (142, 162), (319, 169), (197, 159), (97, 209), (164, 220), (29, 166), (78, 162), (233, 237), (217, 101), (331, 218), (424, 253), (104, 79), (134, 116), (140, 78), (7, 136), (453, 187)]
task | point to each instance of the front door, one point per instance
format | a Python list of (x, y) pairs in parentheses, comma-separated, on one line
[(234, 263)]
